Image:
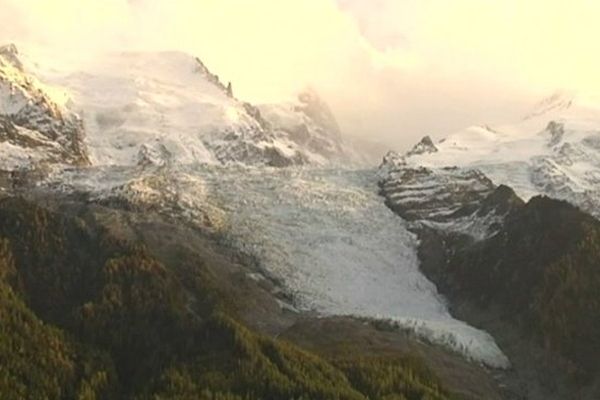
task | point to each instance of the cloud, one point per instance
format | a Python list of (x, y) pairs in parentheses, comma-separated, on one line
[(65, 23), (391, 69), (536, 43), (269, 48), (376, 24)]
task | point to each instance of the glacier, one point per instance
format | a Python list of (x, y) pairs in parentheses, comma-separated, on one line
[(324, 234)]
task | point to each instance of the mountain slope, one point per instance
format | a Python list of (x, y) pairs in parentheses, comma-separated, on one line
[(309, 123), (167, 107), (156, 121), (543, 270), (35, 126), (525, 272), (450, 199)]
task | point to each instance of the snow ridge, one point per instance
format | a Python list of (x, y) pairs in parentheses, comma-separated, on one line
[(554, 153), (136, 104)]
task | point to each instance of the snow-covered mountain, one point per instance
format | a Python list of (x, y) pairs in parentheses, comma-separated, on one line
[(554, 150), (35, 125), (163, 135), (162, 107)]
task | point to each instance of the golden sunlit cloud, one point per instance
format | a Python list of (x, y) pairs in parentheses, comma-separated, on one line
[(545, 43), (383, 64)]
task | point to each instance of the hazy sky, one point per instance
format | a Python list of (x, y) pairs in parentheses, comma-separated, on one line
[(391, 69)]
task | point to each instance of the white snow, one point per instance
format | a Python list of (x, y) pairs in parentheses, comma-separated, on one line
[(132, 99), (169, 103)]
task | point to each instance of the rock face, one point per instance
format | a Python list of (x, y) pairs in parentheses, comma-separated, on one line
[(169, 104), (533, 285), (34, 127), (307, 122), (540, 273), (435, 195), (425, 146), (451, 199), (572, 170)]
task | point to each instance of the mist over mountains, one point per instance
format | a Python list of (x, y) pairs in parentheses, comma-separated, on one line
[(296, 210)]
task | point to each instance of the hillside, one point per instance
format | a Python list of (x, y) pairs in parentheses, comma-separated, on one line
[(92, 312), (543, 273), (525, 272), (160, 238)]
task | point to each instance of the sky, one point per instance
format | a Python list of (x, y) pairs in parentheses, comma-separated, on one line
[(392, 70)]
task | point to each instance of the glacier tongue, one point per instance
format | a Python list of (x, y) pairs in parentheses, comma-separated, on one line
[(326, 235)]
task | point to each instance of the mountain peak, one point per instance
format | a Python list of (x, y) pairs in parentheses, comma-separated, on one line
[(34, 127), (10, 48), (10, 53), (318, 110), (308, 122), (425, 146)]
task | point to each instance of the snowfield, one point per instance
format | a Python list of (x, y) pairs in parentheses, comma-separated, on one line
[(326, 235)]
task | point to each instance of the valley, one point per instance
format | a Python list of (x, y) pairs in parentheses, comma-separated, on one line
[(259, 253)]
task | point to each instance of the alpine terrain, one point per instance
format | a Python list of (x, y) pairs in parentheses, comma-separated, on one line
[(162, 239), (508, 229)]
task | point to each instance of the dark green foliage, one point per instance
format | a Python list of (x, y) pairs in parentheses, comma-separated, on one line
[(35, 360), (38, 361), (138, 311), (86, 316), (390, 379), (567, 303), (504, 268), (251, 366), (542, 271), (59, 258), (238, 361)]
